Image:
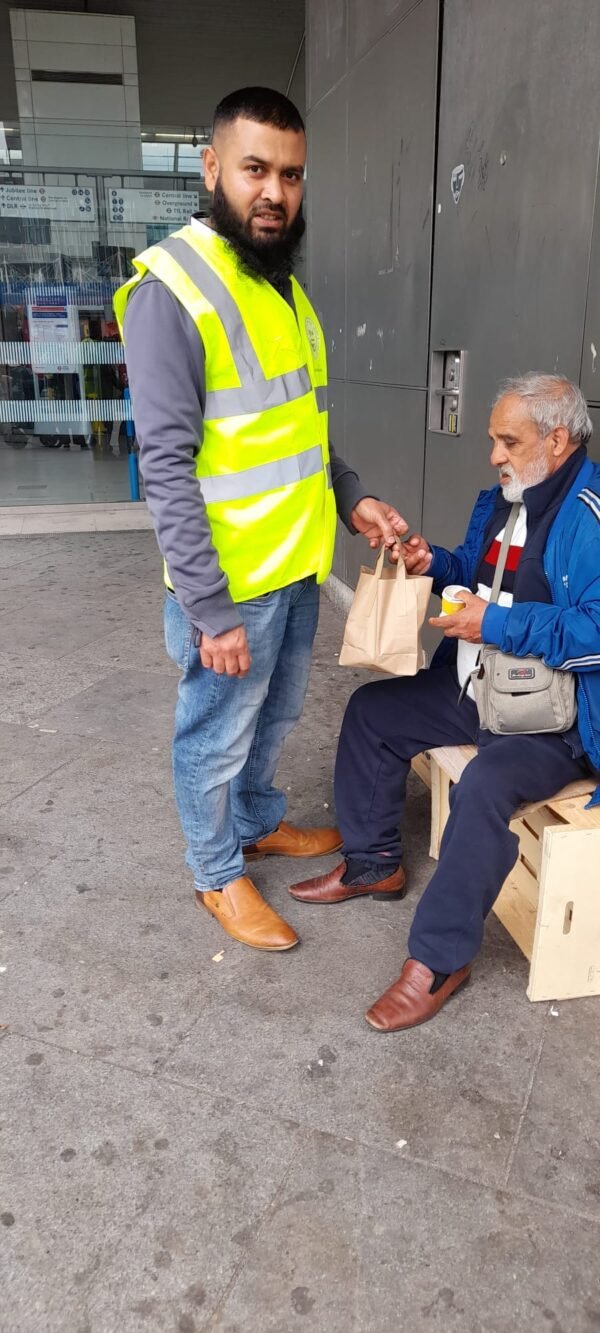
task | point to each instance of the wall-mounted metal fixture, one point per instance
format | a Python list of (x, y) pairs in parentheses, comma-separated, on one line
[(446, 391)]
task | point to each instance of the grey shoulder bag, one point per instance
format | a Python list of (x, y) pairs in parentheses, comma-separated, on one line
[(516, 695)]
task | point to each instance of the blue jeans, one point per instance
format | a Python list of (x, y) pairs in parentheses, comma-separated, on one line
[(229, 732)]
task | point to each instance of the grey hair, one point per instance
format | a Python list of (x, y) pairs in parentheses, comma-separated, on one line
[(552, 401)]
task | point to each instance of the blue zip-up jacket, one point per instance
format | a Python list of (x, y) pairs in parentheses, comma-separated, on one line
[(565, 634)]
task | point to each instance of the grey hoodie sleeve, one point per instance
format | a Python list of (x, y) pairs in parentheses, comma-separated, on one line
[(165, 366), (347, 488)]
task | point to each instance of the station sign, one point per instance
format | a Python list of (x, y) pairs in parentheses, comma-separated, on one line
[(58, 203), (169, 207)]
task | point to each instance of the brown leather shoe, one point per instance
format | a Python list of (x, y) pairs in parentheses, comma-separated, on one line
[(244, 914), (329, 888), (290, 841), (409, 1001)]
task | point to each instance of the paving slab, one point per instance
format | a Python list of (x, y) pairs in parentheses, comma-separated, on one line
[(51, 563), (28, 754), (126, 1203), (357, 1240), (135, 644), (20, 856), (558, 1156), (292, 1036), (97, 549), (55, 626), (112, 800), (134, 706), (20, 861), (105, 958), (27, 694), (17, 552), (59, 614)]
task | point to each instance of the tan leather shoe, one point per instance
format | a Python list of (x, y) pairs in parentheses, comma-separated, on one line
[(409, 1001), (329, 888), (290, 841), (244, 914)]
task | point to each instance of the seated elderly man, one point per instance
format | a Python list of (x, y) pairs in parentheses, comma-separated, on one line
[(548, 607)]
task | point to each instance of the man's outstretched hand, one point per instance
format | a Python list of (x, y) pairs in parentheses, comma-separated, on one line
[(416, 554), (228, 654), (380, 523)]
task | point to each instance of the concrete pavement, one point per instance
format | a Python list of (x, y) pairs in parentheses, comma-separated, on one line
[(195, 1136)]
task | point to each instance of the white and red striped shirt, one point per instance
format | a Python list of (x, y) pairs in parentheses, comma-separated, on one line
[(468, 652)]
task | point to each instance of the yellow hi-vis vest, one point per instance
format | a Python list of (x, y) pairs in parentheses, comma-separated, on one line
[(263, 463)]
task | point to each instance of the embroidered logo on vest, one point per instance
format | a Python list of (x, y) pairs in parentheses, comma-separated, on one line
[(312, 334)]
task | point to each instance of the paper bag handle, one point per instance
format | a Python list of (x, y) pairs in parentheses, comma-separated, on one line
[(377, 573)]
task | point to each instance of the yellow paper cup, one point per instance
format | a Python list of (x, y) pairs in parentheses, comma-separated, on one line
[(451, 600)]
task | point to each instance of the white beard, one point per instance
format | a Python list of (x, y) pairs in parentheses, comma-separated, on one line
[(532, 475)]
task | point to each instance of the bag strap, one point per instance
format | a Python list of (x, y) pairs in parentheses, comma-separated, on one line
[(377, 574), (503, 552), (497, 583)]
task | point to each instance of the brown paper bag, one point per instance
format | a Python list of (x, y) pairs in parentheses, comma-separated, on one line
[(383, 629)]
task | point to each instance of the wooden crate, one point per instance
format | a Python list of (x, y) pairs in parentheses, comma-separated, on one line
[(550, 902)]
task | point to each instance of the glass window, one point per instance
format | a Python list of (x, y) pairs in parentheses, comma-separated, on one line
[(189, 159), (158, 156), (66, 241)]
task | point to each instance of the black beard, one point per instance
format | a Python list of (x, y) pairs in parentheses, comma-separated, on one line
[(271, 258)]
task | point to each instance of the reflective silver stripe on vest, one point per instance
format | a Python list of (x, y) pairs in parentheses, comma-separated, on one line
[(265, 477), (256, 394)]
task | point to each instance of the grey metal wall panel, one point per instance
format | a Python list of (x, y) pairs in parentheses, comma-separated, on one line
[(590, 360), (384, 434), (326, 213), (337, 435), (594, 446), (376, 271), (390, 202), (520, 106), (368, 21), (326, 37), (297, 89)]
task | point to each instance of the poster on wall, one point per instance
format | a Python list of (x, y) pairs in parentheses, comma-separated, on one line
[(52, 322), (169, 207), (58, 203)]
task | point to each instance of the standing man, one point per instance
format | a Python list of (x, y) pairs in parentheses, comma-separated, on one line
[(228, 373)]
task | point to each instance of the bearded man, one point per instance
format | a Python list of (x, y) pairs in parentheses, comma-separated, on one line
[(528, 572), (228, 373)]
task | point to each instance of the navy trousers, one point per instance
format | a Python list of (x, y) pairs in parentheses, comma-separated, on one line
[(385, 725)]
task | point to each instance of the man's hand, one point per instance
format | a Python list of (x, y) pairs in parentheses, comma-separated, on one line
[(416, 554), (228, 654), (465, 624), (380, 523)]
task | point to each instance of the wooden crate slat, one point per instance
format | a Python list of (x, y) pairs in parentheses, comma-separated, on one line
[(453, 759), (526, 882), (440, 808), (530, 844), (517, 915), (573, 811), (539, 819), (421, 765)]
